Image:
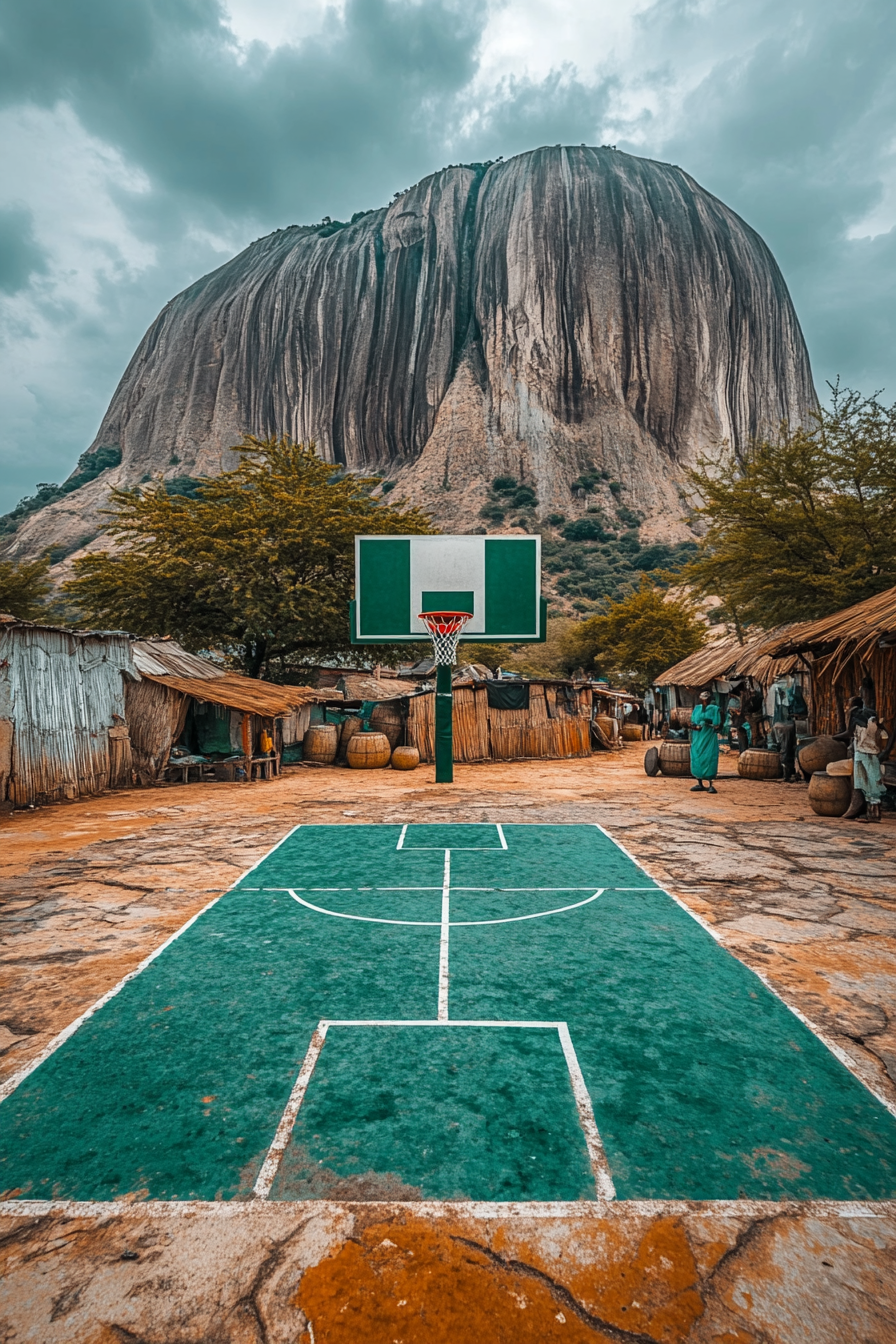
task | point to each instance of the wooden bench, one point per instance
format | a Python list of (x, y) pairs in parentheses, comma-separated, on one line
[(264, 767), (182, 769)]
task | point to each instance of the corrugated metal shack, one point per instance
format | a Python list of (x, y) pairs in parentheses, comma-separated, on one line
[(62, 712), (221, 714), (552, 720)]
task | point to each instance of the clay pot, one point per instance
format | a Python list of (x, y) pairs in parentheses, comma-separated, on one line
[(829, 795), (819, 754), (675, 758), (368, 751), (405, 758), (632, 732), (320, 742), (758, 763)]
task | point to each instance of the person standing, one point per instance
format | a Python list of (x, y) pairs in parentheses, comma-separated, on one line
[(644, 720), (736, 716), (870, 746), (855, 715), (756, 718), (705, 722)]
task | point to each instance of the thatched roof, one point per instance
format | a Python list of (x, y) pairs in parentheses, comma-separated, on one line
[(862, 626), (727, 659), (166, 663), (365, 686), (758, 659), (712, 661), (246, 693)]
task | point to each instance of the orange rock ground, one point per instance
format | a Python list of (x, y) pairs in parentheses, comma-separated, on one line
[(88, 889)]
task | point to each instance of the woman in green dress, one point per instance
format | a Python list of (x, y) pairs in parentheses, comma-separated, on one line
[(705, 722)]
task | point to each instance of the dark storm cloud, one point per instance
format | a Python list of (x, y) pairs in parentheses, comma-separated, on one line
[(20, 255), (525, 113), (233, 142), (256, 132), (790, 132), (785, 111)]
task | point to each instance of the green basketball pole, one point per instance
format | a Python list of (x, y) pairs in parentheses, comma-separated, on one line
[(444, 733)]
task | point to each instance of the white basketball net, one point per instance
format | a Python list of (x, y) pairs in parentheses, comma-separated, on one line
[(445, 629)]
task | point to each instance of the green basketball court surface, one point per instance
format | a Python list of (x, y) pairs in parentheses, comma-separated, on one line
[(460, 1012)]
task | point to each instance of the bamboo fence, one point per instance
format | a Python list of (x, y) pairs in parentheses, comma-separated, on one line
[(556, 725)]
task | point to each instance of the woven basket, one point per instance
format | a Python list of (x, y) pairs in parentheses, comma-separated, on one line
[(829, 795), (405, 758), (758, 763), (320, 742), (817, 755), (675, 758), (368, 751)]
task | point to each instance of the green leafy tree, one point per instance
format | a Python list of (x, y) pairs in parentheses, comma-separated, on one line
[(804, 524), (258, 562), (24, 587), (636, 638), (556, 657)]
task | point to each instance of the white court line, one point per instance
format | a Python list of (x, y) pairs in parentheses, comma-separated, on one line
[(435, 1022), (834, 1048), (271, 1164), (599, 1166), (488, 1210), (438, 923), (443, 939), (466, 849), (457, 888), (597, 1159), (17, 1078)]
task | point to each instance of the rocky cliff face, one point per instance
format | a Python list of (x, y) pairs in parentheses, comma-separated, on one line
[(571, 309)]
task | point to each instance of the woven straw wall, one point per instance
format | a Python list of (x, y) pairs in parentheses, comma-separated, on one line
[(556, 725)]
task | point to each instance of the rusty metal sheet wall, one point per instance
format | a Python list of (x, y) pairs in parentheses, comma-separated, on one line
[(60, 691)]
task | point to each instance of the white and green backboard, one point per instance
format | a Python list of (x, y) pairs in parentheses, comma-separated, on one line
[(498, 579)]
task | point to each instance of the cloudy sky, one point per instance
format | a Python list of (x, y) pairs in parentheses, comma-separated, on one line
[(143, 142)]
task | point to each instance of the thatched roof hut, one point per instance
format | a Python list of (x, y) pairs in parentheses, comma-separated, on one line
[(852, 652), (547, 718), (723, 665), (226, 711)]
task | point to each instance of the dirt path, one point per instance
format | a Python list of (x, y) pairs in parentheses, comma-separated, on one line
[(89, 889)]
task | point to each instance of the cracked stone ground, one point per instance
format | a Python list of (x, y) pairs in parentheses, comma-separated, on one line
[(91, 888)]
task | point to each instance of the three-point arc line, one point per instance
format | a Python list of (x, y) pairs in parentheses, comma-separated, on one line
[(437, 923)]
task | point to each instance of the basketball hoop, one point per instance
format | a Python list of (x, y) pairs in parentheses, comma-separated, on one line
[(445, 629)]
